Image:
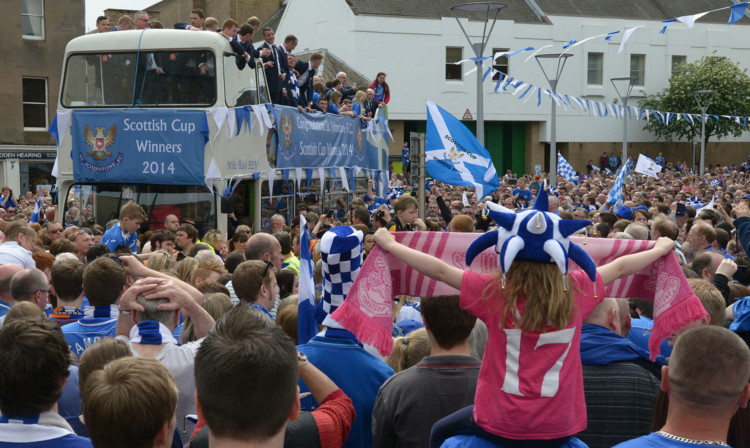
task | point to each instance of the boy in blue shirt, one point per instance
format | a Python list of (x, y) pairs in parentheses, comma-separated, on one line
[(123, 233)]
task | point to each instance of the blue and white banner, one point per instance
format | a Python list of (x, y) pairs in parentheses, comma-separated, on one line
[(37, 210), (565, 170), (454, 156), (139, 146), (307, 326), (615, 194), (308, 140)]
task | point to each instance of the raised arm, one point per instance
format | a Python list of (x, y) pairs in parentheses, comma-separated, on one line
[(426, 264), (630, 264)]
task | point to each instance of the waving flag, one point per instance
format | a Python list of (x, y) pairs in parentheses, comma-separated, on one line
[(454, 156), (307, 326), (647, 166), (615, 195), (37, 210), (565, 170)]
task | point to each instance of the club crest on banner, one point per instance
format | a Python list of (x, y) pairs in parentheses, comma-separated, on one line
[(360, 137), (99, 143), (287, 128)]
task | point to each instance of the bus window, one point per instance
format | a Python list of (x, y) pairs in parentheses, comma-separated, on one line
[(240, 87), (162, 78), (88, 204)]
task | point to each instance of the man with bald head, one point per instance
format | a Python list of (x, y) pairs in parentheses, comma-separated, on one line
[(701, 236), (707, 383), (171, 223), (6, 274), (30, 285), (619, 381)]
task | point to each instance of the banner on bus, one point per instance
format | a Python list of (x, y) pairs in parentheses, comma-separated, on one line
[(139, 146), (308, 140)]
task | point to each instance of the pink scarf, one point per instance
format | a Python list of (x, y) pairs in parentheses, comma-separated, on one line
[(367, 310)]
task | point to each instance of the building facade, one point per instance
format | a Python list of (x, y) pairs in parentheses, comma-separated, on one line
[(34, 39), (416, 43)]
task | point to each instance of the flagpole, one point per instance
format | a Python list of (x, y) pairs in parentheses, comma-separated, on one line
[(479, 50), (624, 98), (561, 59)]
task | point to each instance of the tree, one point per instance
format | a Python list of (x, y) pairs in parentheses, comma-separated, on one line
[(732, 86)]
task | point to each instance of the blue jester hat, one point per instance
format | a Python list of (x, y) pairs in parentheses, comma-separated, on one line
[(534, 235)]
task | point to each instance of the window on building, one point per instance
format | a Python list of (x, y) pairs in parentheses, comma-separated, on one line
[(501, 64), (32, 19), (35, 104), (638, 68), (453, 54), (595, 69), (676, 61)]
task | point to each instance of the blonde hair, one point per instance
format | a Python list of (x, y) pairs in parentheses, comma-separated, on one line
[(185, 269), (216, 304), (540, 286), (159, 261), (409, 350)]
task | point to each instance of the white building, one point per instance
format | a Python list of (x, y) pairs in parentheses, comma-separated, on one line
[(414, 41)]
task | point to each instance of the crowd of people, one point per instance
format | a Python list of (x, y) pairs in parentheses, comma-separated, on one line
[(192, 335), (290, 81)]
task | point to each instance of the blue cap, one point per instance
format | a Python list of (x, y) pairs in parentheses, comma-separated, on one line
[(682, 209), (624, 212), (747, 196), (640, 207), (409, 325)]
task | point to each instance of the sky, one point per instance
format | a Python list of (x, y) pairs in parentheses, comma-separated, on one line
[(95, 8)]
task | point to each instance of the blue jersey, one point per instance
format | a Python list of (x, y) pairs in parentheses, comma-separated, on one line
[(22, 433), (4, 308), (80, 335), (114, 238)]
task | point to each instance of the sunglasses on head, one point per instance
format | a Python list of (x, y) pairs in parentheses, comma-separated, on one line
[(268, 266)]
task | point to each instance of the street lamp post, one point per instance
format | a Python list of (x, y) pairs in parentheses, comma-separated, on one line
[(624, 98), (561, 59), (707, 96), (479, 48)]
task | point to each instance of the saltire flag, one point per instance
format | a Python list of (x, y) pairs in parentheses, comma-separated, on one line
[(454, 156), (615, 195), (37, 210), (307, 326), (565, 170)]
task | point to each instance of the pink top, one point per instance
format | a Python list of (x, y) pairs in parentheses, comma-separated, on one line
[(530, 384)]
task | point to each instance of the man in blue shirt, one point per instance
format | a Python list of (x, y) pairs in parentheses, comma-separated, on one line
[(103, 283), (522, 192)]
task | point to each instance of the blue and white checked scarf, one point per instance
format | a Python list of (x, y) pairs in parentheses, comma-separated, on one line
[(294, 84), (341, 254), (565, 170), (615, 195), (151, 332), (108, 311), (716, 183)]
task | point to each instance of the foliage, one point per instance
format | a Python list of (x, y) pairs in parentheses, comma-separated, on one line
[(732, 86)]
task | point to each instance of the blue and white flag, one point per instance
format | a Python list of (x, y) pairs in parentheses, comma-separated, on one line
[(307, 326), (37, 210), (615, 195), (565, 170), (454, 156)]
